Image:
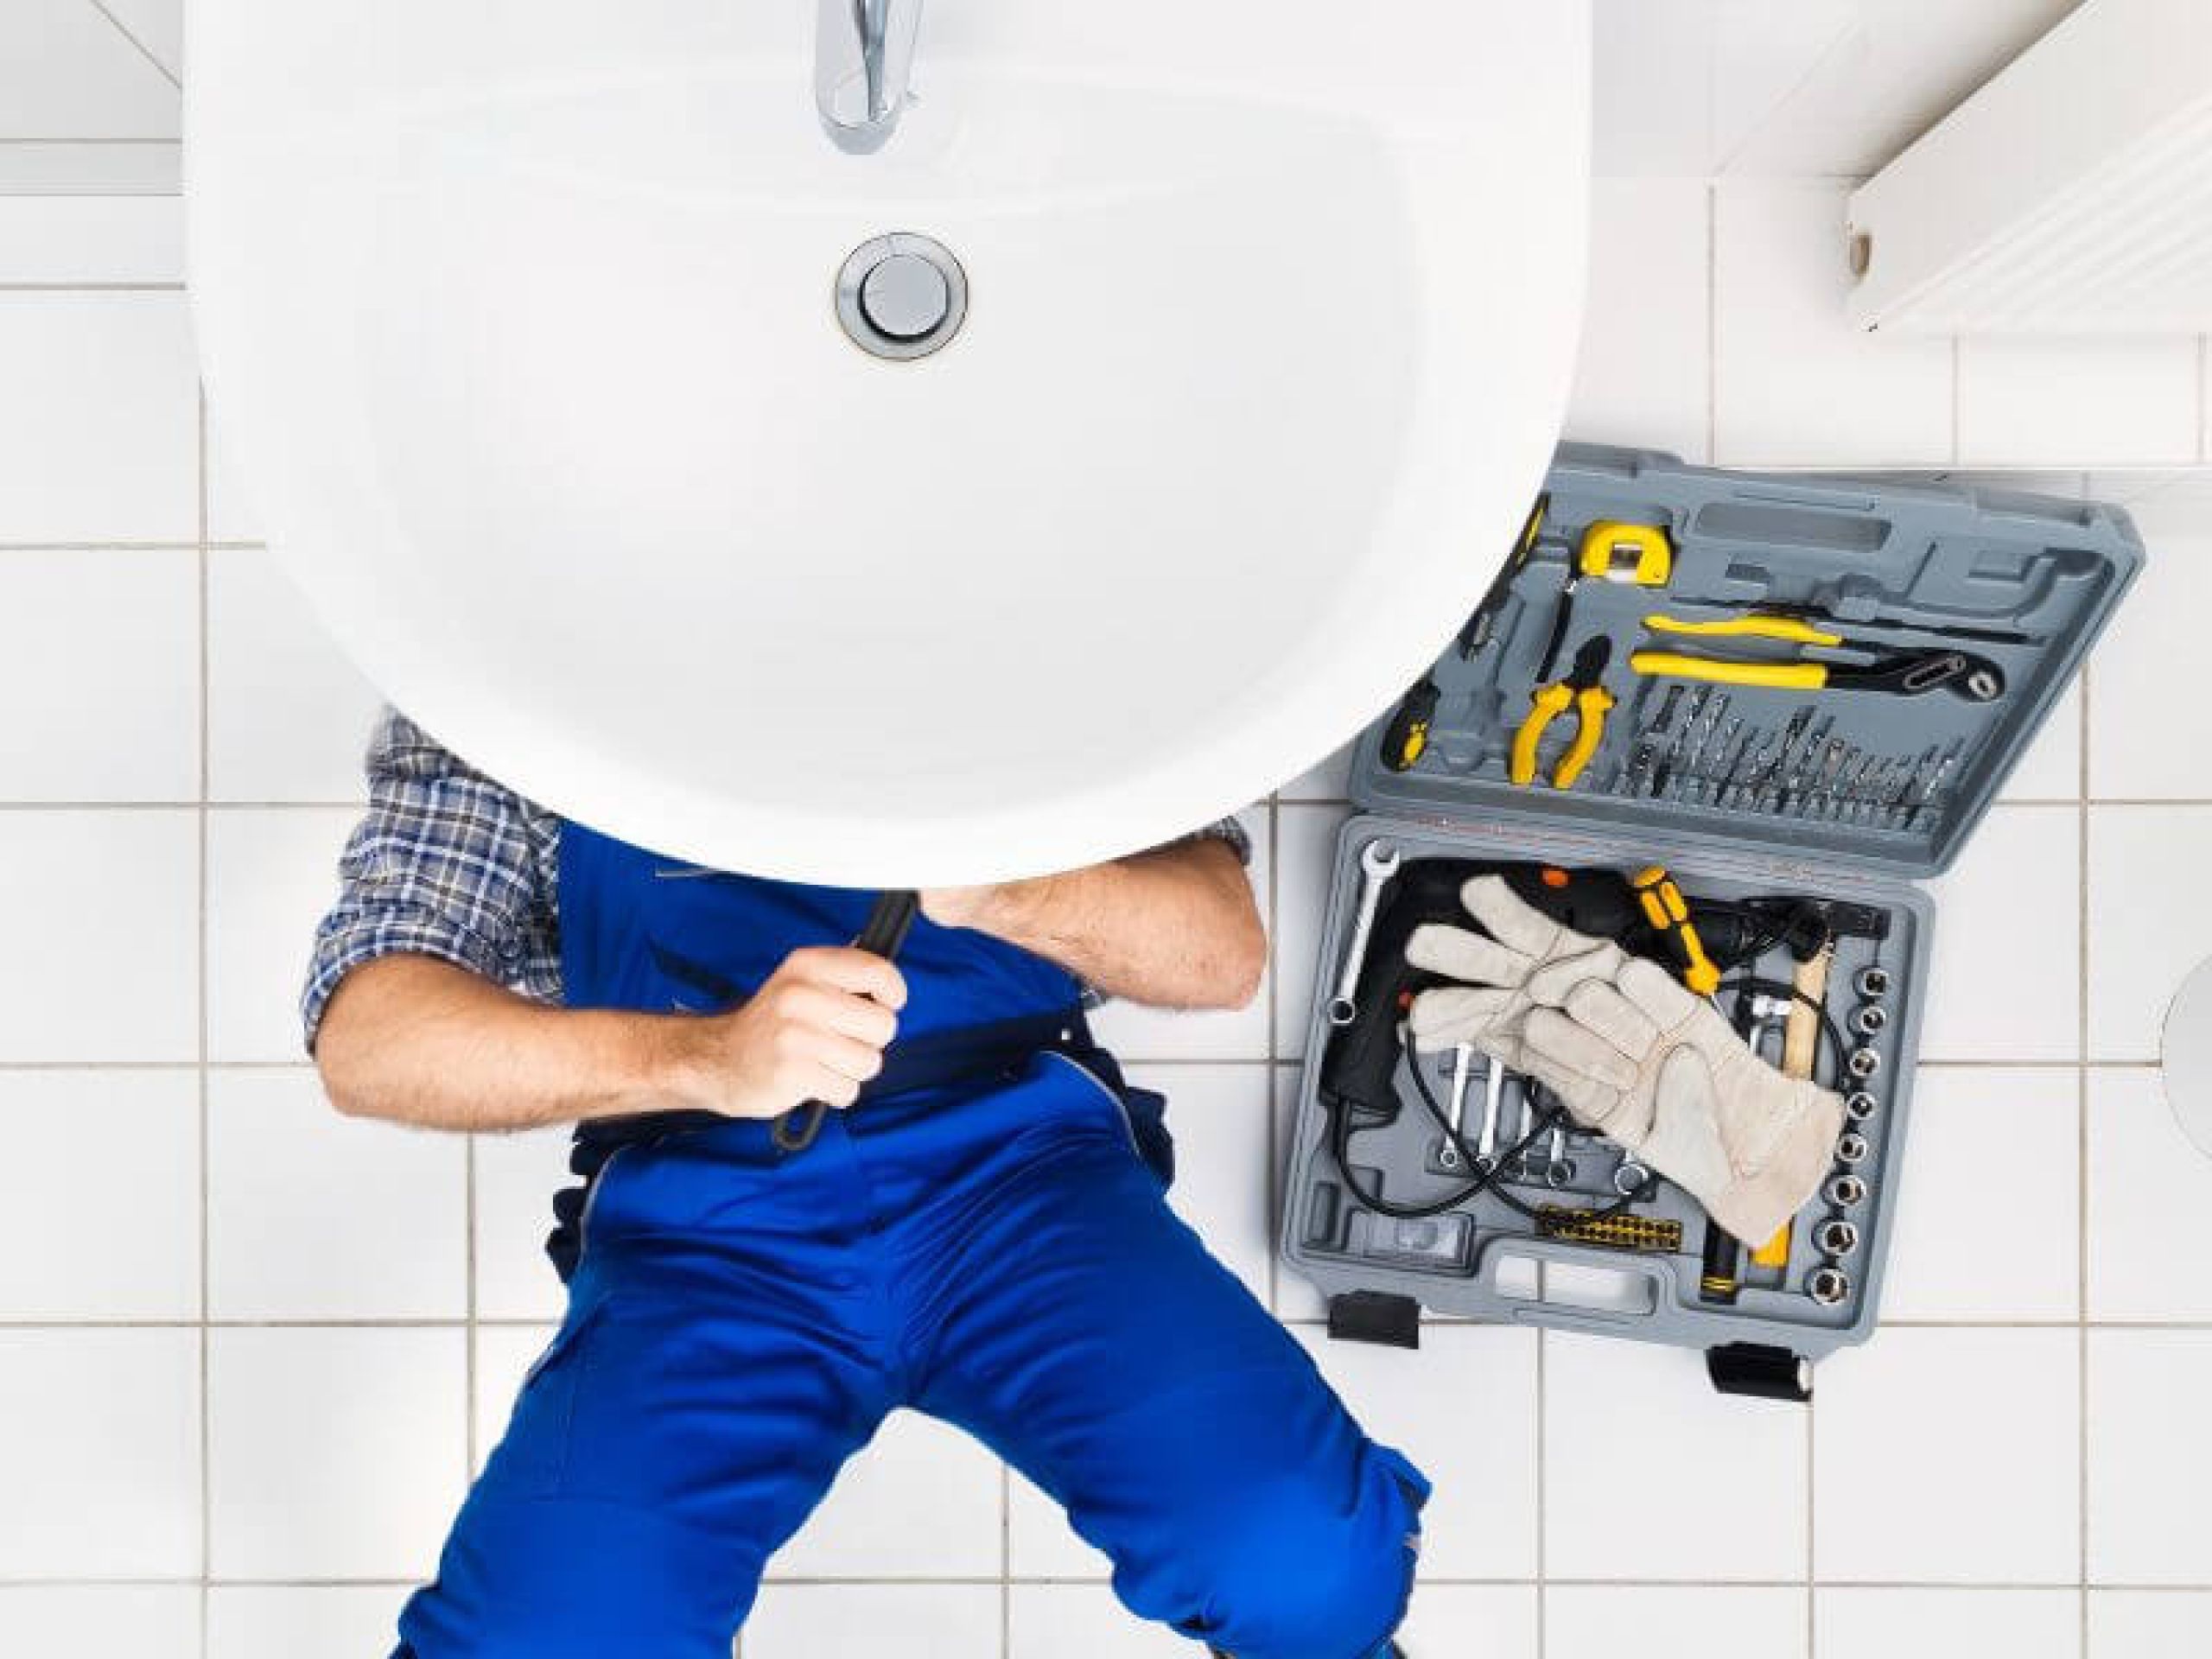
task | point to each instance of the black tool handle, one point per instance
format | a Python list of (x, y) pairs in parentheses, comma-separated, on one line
[(888, 923)]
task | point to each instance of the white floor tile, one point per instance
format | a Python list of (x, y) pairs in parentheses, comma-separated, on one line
[(2145, 1261), (2051, 768), (92, 239), (1084, 1621), (1899, 1623), (103, 1621), (1729, 1468), (2077, 403), (1644, 375), (101, 1225), (288, 716), (915, 1621), (100, 1434), (1327, 779), (1990, 1155), (1795, 383), (315, 1215), (65, 73), (504, 1354), (99, 418), (1979, 1427), (2147, 929), (1306, 846), (2006, 982), (1040, 1544), (2150, 1457), (112, 900), (1469, 1621), (1481, 1522), (270, 877), (2135, 753), (289, 1623), (1592, 1621), (335, 1453), (112, 638), (516, 1176), (1220, 1116), (232, 515), (2148, 1624), (1135, 1033), (1296, 1297), (920, 1501)]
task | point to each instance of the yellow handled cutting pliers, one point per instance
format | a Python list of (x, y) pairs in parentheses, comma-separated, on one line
[(1582, 691), (1900, 673)]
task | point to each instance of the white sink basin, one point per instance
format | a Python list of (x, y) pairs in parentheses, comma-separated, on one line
[(519, 322)]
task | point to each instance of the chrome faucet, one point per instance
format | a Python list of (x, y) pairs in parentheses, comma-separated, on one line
[(863, 59)]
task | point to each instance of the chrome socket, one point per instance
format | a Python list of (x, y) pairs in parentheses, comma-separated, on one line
[(1871, 1020), (1853, 1149), (1847, 1192), (1873, 984), (1860, 1106), (1836, 1236), (1827, 1285), (1863, 1062)]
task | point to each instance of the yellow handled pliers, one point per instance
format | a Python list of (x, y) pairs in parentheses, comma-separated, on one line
[(1582, 691), (1906, 673)]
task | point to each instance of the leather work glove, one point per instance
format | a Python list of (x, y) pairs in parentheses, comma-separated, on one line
[(1632, 1054)]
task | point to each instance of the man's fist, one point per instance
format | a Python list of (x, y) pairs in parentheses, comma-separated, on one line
[(816, 1031)]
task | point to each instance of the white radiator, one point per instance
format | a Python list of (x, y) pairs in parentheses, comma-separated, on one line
[(2072, 194)]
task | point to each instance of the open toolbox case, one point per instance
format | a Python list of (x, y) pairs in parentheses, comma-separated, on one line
[(1960, 615)]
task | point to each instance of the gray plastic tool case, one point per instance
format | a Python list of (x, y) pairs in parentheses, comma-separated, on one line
[(2022, 582)]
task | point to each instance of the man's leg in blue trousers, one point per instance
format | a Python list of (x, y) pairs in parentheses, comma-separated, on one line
[(1098, 1346)]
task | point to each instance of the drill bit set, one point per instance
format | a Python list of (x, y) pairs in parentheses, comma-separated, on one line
[(1798, 695)]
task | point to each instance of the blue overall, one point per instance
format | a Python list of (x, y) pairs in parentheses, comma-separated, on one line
[(984, 1238)]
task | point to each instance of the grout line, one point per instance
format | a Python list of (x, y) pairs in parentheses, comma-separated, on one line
[(1712, 307), (136, 45), (206, 1260), (1271, 1198), (1543, 1483), (2082, 1161), (91, 287)]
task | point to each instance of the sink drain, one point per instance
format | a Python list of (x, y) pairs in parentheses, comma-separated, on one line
[(902, 296)]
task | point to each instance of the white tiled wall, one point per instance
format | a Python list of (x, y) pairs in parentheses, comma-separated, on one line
[(249, 1353)]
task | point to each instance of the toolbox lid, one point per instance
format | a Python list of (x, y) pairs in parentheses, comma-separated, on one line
[(1838, 672)]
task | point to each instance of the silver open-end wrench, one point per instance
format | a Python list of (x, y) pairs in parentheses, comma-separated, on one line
[(1379, 863), (1463, 1057), (1493, 1103)]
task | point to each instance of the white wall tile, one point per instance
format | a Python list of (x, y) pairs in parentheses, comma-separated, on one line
[(2051, 768), (104, 1621), (136, 240), (1764, 57), (1481, 1522), (100, 650), (1592, 1621), (516, 1176), (2147, 928), (1296, 1297), (1220, 1117), (99, 418), (504, 1354), (2150, 1457), (1327, 779), (335, 1453), (1082, 1621), (271, 876), (1795, 383), (2006, 975), (232, 515), (288, 715), (268, 1622), (100, 1434), (65, 73), (1896, 1623), (1979, 1427), (157, 25), (2145, 743), (916, 1621), (1306, 846), (1501, 1620), (1986, 1148), (1136, 1033), (1040, 1544), (2090, 402), (921, 1500), (1644, 376), (315, 1215), (1653, 77), (1731, 1468), (2148, 1624), (99, 1224), (112, 900), (2146, 1260)]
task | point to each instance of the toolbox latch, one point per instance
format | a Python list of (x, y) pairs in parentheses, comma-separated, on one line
[(1375, 1316), (1759, 1372)]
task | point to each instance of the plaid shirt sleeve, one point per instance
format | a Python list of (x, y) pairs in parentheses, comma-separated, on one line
[(446, 863)]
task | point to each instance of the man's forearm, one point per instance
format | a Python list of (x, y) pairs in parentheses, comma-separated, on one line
[(1175, 928), (414, 1039)]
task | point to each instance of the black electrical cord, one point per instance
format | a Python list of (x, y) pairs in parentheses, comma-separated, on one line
[(1830, 1032)]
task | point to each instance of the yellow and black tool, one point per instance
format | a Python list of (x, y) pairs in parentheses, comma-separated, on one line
[(1899, 673), (1584, 691), (1407, 737), (1669, 913), (1641, 554)]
